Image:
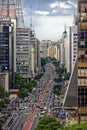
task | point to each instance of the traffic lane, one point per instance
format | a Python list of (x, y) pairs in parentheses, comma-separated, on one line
[(31, 119)]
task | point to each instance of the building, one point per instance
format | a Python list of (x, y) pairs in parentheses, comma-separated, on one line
[(74, 41), (44, 48), (53, 50), (49, 48), (82, 61), (32, 57), (61, 52), (8, 49), (68, 48), (23, 51), (4, 80), (62, 45), (34, 54)]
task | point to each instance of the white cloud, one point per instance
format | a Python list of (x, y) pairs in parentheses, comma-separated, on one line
[(54, 11), (66, 5), (53, 5), (72, 3), (42, 12)]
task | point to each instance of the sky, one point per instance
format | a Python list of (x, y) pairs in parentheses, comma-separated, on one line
[(49, 17)]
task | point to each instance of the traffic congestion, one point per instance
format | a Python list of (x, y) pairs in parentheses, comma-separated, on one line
[(41, 101)]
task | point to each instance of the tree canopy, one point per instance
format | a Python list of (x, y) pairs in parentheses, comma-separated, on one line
[(23, 86), (48, 123), (75, 127), (4, 97)]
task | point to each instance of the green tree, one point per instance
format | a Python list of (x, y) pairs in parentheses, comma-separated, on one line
[(43, 61), (66, 76), (57, 89), (23, 93), (4, 97), (57, 80), (75, 127), (48, 123), (19, 80)]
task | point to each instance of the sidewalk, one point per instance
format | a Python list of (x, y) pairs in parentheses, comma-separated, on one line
[(71, 120)]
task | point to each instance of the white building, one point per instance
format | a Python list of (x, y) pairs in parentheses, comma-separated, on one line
[(74, 41)]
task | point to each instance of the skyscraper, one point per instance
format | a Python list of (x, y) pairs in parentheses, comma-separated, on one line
[(8, 48), (82, 60)]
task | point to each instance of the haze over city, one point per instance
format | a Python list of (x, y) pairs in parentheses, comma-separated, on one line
[(49, 17)]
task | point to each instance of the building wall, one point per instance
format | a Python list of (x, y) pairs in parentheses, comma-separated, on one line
[(44, 47), (35, 43), (74, 41), (8, 47), (4, 80), (82, 61), (52, 51), (70, 48), (23, 51), (32, 52)]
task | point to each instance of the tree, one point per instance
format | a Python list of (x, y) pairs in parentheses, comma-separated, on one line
[(19, 80), (66, 76), (57, 89), (75, 127), (23, 93), (57, 80), (48, 123), (43, 61), (4, 97)]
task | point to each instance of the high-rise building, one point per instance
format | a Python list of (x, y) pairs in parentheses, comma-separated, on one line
[(8, 48), (62, 45), (23, 51), (74, 41), (82, 60), (44, 48), (34, 53), (53, 50), (61, 52)]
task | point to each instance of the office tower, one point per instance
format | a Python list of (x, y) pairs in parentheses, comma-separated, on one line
[(74, 41), (23, 51), (62, 45), (53, 50), (34, 53), (8, 48), (44, 48), (61, 52), (82, 60)]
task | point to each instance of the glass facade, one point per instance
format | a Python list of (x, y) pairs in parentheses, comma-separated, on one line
[(82, 61), (4, 49)]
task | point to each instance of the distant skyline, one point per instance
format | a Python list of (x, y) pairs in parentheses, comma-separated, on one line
[(49, 16)]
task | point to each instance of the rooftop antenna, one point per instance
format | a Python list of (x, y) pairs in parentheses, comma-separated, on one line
[(31, 18), (19, 12), (65, 27)]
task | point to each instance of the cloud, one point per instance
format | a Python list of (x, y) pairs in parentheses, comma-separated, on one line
[(63, 4), (73, 4), (49, 17), (51, 27), (54, 11), (44, 13)]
